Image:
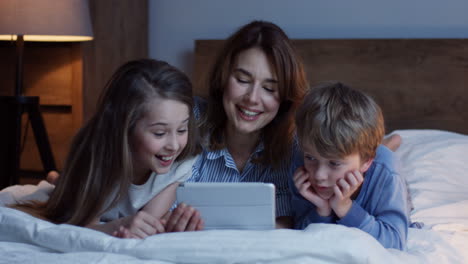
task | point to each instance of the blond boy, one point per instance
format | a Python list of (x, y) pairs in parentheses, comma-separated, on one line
[(348, 178)]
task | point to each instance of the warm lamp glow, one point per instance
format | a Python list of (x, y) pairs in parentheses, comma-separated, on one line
[(48, 38), (45, 20), (33, 20)]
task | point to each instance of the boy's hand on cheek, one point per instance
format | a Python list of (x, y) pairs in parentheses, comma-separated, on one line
[(303, 185), (341, 201)]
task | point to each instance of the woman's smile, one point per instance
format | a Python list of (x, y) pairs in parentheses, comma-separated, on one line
[(249, 115), (251, 99)]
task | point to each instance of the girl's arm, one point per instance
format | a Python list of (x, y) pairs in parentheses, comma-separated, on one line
[(162, 202), (107, 228), (155, 216), (156, 212), (182, 218), (146, 221), (139, 225)]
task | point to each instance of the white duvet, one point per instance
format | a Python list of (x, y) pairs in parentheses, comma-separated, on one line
[(433, 162)]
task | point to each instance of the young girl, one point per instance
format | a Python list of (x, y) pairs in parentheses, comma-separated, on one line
[(125, 163)]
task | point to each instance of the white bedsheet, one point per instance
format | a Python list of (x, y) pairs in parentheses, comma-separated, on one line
[(434, 163)]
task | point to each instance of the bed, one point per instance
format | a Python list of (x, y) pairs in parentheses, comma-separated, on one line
[(422, 93)]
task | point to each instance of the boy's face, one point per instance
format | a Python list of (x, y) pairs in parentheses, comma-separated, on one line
[(325, 172)]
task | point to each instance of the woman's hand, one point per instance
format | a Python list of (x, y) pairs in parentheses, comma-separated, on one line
[(303, 185)]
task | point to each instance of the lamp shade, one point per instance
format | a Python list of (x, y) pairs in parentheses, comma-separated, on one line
[(45, 20)]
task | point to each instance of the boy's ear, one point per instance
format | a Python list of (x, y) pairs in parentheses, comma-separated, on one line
[(365, 166)]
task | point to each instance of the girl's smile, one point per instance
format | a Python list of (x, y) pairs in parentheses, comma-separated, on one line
[(166, 160)]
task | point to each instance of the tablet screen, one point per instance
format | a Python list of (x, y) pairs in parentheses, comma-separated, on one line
[(234, 205)]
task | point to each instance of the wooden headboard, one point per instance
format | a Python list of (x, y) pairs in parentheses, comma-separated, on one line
[(419, 83)]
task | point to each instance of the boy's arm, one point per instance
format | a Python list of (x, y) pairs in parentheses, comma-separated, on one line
[(387, 218), (304, 211), (284, 222)]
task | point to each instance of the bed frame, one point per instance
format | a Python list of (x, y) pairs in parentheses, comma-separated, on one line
[(419, 83)]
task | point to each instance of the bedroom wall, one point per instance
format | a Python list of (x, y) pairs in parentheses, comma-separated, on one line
[(175, 24)]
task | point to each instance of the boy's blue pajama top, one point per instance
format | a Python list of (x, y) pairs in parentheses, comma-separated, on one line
[(380, 209)]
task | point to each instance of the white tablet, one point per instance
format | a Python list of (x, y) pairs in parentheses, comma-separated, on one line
[(239, 205)]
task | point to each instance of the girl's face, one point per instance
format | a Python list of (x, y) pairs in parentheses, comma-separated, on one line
[(159, 137), (324, 172), (251, 98)]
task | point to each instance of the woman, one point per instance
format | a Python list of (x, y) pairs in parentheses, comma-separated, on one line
[(247, 122)]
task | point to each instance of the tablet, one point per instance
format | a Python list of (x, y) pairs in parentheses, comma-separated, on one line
[(233, 205)]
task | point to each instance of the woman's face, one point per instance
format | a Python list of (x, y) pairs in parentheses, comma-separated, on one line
[(251, 98)]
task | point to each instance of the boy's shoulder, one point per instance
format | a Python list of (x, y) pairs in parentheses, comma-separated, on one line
[(385, 157), (384, 166)]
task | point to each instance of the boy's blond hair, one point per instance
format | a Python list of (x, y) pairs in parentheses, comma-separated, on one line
[(340, 121)]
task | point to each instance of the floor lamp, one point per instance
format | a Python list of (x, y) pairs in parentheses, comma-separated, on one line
[(20, 22)]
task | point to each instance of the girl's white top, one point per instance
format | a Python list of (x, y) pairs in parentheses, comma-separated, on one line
[(140, 195)]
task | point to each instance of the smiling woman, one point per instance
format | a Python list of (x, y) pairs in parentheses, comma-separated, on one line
[(251, 99), (254, 87), (247, 123)]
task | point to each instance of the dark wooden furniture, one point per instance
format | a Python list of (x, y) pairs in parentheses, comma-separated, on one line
[(68, 77)]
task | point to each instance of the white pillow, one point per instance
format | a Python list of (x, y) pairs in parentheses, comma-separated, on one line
[(435, 166)]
